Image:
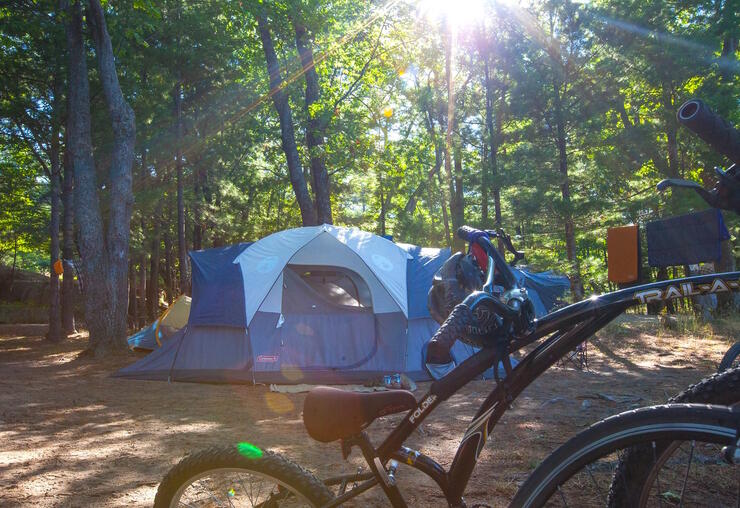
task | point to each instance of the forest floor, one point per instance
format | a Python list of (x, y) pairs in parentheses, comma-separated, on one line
[(71, 435)]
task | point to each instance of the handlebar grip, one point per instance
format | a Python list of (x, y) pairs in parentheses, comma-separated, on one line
[(455, 326), (711, 128), (467, 233)]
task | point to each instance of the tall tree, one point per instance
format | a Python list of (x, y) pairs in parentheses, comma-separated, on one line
[(68, 254), (104, 250), (55, 333), (316, 124), (182, 254), (287, 132)]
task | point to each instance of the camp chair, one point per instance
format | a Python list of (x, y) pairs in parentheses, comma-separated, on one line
[(578, 357)]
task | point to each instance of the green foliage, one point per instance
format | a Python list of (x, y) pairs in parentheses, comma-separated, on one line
[(620, 69), (24, 213)]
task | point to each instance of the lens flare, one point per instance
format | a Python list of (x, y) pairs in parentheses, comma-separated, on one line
[(458, 13), (249, 451), (279, 403)]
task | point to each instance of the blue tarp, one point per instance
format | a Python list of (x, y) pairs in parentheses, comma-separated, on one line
[(687, 239), (419, 274), (145, 338), (545, 288)]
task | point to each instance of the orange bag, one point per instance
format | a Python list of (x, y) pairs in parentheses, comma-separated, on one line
[(623, 253)]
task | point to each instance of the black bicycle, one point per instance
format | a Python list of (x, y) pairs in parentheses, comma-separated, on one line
[(499, 320)]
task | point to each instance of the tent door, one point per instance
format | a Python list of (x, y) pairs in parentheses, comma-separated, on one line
[(327, 341), (317, 333)]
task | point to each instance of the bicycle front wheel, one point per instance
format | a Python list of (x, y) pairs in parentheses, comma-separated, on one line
[(239, 476), (580, 472)]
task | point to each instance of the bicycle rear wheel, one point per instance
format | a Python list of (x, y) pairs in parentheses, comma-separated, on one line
[(731, 359), (235, 476), (636, 473), (580, 472)]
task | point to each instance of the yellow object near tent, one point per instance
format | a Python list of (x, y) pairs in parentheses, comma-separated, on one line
[(173, 319)]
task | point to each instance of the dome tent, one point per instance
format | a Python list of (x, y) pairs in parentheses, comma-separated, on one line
[(321, 304)]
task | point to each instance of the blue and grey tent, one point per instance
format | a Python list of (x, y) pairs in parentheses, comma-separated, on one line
[(321, 304)]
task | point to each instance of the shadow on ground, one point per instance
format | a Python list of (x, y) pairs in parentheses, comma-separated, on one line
[(70, 435)]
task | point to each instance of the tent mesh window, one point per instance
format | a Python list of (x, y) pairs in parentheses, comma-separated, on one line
[(337, 285)]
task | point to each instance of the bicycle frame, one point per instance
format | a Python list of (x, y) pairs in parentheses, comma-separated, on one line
[(564, 329)]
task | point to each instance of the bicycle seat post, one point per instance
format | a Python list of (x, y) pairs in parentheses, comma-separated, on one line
[(387, 482)]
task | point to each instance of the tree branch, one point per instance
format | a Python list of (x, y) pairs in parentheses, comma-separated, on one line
[(32, 147), (364, 68)]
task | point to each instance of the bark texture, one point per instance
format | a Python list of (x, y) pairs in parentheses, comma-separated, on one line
[(182, 254), (570, 235), (55, 333), (104, 250), (449, 41), (315, 128), (69, 294), (490, 173)]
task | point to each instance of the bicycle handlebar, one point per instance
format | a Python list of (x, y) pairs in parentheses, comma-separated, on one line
[(483, 238), (711, 128), (469, 234)]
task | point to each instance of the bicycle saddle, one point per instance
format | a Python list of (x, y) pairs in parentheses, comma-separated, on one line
[(330, 413)]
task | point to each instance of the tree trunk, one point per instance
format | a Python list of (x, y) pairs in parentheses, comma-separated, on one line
[(141, 310), (144, 181), (182, 255), (87, 209), (485, 158), (496, 183), (493, 135), (168, 279), (55, 333), (15, 262), (132, 301), (570, 237), (104, 253), (315, 128), (153, 286), (198, 208), (445, 215), (671, 132), (69, 294), (123, 125), (449, 41), (287, 133), (438, 162), (459, 209)]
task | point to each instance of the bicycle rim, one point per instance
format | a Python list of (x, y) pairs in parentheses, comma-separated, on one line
[(690, 472), (236, 488), (668, 480)]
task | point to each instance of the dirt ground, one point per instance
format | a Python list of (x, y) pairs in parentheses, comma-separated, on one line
[(71, 435)]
